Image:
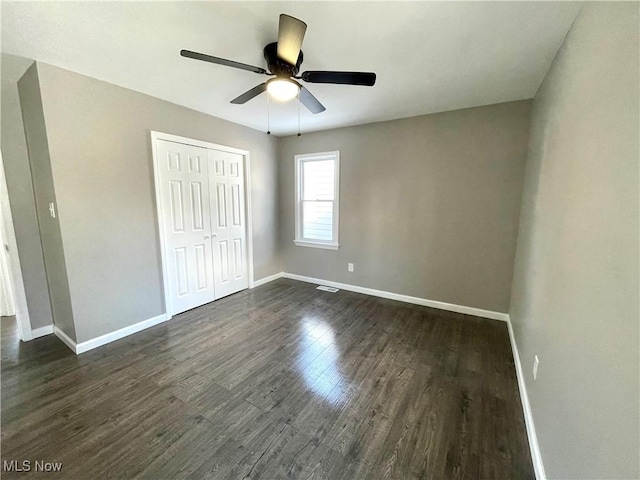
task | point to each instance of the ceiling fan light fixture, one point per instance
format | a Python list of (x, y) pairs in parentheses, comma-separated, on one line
[(282, 89)]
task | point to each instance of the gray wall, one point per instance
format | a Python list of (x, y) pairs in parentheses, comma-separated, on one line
[(43, 186), (575, 291), (100, 148), (428, 205), (21, 197)]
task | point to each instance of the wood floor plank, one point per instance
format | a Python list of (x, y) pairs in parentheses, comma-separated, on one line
[(279, 382)]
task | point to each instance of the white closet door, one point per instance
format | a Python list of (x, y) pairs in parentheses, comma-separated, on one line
[(226, 180), (186, 219)]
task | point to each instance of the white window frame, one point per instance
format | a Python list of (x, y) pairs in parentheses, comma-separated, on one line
[(299, 239)]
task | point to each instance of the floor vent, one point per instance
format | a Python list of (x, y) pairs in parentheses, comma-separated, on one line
[(328, 289)]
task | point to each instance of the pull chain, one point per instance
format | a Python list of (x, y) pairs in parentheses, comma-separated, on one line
[(299, 112), (268, 117)]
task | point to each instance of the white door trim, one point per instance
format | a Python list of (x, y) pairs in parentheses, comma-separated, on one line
[(16, 282), (155, 136)]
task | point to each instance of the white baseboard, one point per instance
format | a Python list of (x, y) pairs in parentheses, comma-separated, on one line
[(82, 347), (536, 456), (118, 334), (478, 312), (41, 332), (66, 339), (268, 279)]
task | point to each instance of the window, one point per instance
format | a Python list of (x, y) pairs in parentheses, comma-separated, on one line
[(317, 178)]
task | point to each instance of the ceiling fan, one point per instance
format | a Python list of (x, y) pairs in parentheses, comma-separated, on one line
[(284, 58)]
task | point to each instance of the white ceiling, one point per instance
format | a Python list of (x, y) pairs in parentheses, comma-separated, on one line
[(429, 56)]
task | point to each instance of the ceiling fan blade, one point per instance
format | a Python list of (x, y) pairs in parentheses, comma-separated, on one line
[(248, 95), (344, 78), (290, 35), (221, 61), (311, 102)]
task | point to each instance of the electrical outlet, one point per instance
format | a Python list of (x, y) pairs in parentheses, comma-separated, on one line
[(350, 267), (535, 367)]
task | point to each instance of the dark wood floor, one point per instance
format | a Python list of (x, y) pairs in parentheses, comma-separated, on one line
[(283, 381)]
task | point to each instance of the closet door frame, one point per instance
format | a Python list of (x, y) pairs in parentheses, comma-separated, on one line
[(155, 136)]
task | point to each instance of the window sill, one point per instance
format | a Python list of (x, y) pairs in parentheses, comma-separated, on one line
[(326, 246)]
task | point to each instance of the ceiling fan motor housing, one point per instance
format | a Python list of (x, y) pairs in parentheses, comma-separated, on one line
[(277, 66)]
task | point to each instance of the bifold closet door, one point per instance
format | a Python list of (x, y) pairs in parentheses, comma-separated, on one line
[(186, 219), (226, 181)]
